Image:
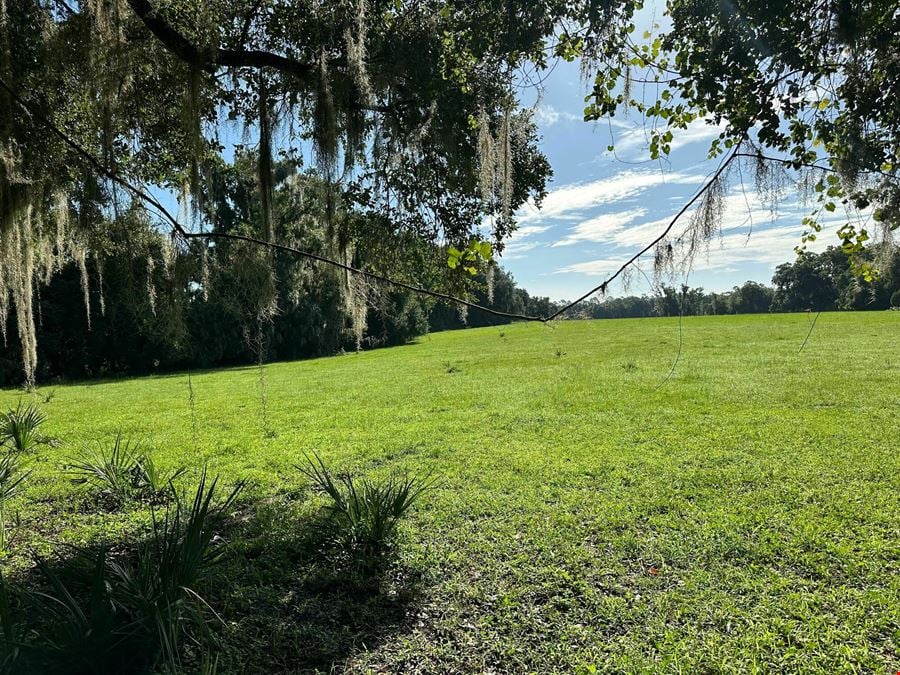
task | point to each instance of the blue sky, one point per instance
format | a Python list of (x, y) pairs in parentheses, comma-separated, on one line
[(603, 207)]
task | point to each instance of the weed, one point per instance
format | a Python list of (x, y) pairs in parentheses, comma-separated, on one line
[(629, 366), (450, 368)]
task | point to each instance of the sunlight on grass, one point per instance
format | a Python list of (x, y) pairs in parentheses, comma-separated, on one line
[(742, 517)]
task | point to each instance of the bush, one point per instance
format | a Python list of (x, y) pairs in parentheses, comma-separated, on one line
[(122, 471), (125, 613), (895, 299), (19, 428), (365, 512)]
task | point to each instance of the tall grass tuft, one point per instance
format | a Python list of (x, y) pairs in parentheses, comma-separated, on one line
[(366, 512), (20, 428)]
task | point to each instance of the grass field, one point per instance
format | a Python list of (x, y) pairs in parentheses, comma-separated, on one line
[(590, 515)]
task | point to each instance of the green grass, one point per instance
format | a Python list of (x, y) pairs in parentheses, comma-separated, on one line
[(742, 516)]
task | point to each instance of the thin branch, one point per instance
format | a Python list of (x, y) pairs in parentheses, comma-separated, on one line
[(186, 234), (793, 163), (722, 167), (811, 326), (210, 59)]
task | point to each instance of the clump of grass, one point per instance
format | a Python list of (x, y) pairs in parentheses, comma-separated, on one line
[(20, 428), (629, 366), (105, 613), (560, 353), (366, 512), (123, 471), (450, 368)]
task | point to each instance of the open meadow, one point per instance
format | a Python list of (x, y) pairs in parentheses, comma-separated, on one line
[(592, 511)]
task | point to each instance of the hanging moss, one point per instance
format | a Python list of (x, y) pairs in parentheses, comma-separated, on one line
[(191, 121), (324, 132), (264, 163), (487, 161), (489, 281), (506, 166), (706, 219), (355, 41), (80, 256)]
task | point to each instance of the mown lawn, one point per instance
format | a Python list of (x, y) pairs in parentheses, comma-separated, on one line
[(590, 515)]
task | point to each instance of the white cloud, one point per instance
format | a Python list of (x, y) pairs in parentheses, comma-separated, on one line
[(570, 201), (593, 268), (547, 116), (638, 137), (518, 249), (601, 228), (528, 230)]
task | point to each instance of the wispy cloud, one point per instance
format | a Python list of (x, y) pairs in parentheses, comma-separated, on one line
[(546, 115), (602, 227), (517, 250), (593, 268), (638, 137), (570, 202)]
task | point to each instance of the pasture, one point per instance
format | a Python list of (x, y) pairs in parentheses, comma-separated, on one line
[(595, 510)]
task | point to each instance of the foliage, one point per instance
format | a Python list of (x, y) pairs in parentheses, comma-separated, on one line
[(19, 428), (123, 471), (803, 82), (399, 93), (104, 612), (366, 511)]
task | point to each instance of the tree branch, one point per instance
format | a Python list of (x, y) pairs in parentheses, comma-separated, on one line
[(186, 234), (181, 47)]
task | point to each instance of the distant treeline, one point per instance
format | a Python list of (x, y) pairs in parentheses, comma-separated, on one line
[(814, 282), (189, 329)]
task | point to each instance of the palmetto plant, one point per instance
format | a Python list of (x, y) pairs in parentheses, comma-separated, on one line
[(122, 470), (125, 613), (19, 428), (366, 511), (11, 479)]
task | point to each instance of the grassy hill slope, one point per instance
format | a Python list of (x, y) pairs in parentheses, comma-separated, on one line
[(596, 508)]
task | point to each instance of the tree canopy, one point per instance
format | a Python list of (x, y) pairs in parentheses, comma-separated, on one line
[(805, 90), (409, 114)]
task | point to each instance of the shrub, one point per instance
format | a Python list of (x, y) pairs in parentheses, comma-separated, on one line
[(19, 428), (100, 613), (122, 471), (895, 299), (366, 512)]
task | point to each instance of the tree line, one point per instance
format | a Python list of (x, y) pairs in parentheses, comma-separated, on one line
[(145, 316)]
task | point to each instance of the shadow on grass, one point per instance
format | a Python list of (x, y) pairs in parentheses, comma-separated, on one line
[(300, 602), (286, 597)]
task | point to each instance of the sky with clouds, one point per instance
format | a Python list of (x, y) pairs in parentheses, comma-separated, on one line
[(603, 207)]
